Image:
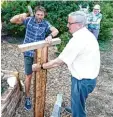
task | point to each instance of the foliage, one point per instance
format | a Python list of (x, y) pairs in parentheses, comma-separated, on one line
[(57, 15), (9, 9), (107, 21), (64, 40)]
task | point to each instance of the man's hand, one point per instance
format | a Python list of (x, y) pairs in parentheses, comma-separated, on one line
[(36, 67), (49, 39)]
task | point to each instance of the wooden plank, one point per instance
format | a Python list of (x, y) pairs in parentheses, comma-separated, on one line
[(57, 106), (37, 45), (40, 82)]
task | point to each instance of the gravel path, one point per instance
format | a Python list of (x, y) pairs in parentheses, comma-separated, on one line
[(99, 103)]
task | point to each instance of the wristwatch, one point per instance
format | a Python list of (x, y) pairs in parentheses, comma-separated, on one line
[(51, 35), (41, 66)]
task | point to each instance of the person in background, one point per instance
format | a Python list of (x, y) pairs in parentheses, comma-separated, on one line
[(82, 57), (36, 29), (94, 19)]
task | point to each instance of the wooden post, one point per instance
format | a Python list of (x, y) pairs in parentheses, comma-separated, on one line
[(41, 76), (40, 86)]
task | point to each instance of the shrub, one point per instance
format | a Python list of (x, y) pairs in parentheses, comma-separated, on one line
[(9, 9), (107, 21), (57, 15), (64, 40)]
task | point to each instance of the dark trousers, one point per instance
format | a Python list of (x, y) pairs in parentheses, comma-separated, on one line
[(79, 93), (95, 32)]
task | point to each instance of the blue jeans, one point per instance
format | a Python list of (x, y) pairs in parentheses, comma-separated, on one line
[(95, 32), (79, 93)]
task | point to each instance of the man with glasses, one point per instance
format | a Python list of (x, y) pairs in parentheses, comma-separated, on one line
[(94, 20), (82, 57)]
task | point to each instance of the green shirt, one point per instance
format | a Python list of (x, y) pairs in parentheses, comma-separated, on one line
[(93, 18)]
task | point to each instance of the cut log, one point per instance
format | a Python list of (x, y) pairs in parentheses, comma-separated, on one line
[(13, 73)]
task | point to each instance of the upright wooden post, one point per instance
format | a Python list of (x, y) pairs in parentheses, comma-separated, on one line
[(41, 76), (40, 83)]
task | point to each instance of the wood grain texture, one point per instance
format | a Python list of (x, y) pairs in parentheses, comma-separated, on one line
[(38, 45), (40, 83)]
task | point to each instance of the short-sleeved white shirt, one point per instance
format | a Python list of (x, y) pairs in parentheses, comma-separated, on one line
[(82, 55)]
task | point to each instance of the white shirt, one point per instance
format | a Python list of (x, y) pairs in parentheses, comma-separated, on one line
[(82, 55)]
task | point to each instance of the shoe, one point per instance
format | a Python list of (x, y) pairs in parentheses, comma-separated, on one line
[(68, 109), (27, 105)]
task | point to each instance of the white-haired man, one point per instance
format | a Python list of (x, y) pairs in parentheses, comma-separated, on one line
[(94, 20), (82, 56)]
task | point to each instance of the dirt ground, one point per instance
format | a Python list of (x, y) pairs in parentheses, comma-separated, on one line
[(99, 103)]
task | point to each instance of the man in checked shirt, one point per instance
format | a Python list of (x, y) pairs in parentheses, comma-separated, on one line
[(36, 29)]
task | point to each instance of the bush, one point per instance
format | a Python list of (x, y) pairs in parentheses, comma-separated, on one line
[(64, 40), (9, 9), (107, 21), (57, 15)]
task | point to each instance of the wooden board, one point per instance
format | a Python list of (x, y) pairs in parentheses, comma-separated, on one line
[(38, 45)]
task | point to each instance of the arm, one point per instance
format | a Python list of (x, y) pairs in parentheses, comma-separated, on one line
[(18, 19), (51, 64), (97, 22), (54, 32)]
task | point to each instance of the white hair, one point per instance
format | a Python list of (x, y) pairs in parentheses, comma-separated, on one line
[(79, 17)]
